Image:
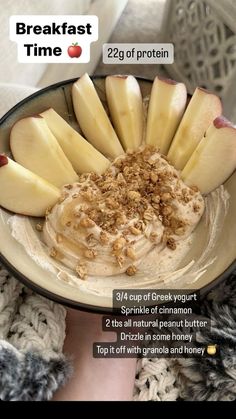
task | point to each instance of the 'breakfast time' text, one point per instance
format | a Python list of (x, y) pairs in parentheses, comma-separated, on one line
[(54, 38)]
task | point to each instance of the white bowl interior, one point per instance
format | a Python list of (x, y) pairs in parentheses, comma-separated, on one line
[(59, 97)]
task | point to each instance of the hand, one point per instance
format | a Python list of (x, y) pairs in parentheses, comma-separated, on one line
[(94, 378)]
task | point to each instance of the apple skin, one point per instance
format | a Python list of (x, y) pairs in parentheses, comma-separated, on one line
[(3, 160), (214, 159), (222, 122), (74, 51), (168, 81)]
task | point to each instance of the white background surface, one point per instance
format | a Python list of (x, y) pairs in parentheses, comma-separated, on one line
[(11, 71)]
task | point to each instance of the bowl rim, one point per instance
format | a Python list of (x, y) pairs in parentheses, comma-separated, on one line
[(55, 86), (55, 297), (89, 307)]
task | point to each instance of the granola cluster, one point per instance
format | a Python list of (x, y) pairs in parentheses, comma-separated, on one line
[(139, 189), (141, 186)]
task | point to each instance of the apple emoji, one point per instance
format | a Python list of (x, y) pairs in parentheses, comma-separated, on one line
[(74, 50)]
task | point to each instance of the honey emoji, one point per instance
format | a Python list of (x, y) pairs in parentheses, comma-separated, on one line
[(211, 349)]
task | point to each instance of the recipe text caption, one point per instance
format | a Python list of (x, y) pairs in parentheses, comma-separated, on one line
[(154, 323), (138, 53)]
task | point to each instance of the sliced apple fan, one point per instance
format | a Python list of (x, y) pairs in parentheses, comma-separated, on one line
[(49, 153)]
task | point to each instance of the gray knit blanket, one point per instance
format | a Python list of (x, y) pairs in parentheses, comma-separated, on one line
[(33, 367)]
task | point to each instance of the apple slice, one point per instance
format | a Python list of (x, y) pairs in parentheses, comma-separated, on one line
[(214, 159), (166, 107), (203, 108), (93, 119), (126, 108), (82, 155), (35, 147), (24, 192)]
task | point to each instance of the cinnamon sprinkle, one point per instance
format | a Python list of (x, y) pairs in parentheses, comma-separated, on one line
[(140, 188)]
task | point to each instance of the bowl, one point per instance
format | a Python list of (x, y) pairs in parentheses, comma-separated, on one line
[(222, 252)]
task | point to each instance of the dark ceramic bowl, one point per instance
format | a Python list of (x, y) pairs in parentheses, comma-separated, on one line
[(14, 257)]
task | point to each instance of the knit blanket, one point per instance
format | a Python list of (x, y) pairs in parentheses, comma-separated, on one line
[(33, 367)]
